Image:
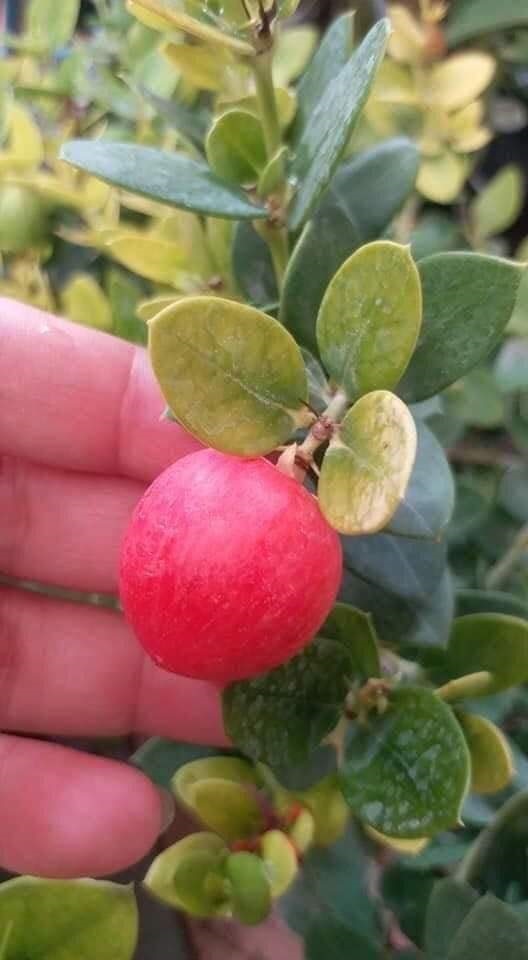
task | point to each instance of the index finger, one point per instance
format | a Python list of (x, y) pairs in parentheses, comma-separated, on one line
[(79, 399)]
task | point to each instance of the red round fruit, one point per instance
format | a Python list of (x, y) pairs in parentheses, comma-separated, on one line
[(228, 567)]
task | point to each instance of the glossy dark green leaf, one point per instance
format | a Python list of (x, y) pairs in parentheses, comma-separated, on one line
[(171, 178), (490, 930), (362, 198), (192, 122), (403, 566), (332, 889), (233, 376), (406, 772), (331, 939), (493, 642), (235, 147), (370, 318), (160, 758), (473, 18), (450, 903), (472, 509), (332, 54), (468, 300), (428, 504), (253, 267), (354, 629), (367, 466), (407, 894), (281, 717), (323, 140), (497, 857), (52, 919)]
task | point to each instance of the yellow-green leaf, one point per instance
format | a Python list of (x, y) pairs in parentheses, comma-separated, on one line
[(295, 46), (250, 893), (461, 78), (368, 465), (227, 808), (370, 318), (233, 376), (234, 769), (147, 256), (50, 25), (83, 301), (25, 147), (490, 641), (181, 876), (202, 66), (491, 758), (280, 860), (441, 178), (499, 204), (410, 848), (235, 147)]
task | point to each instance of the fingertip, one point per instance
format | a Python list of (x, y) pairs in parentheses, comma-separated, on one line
[(80, 816)]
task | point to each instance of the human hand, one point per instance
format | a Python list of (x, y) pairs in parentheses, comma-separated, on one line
[(80, 438)]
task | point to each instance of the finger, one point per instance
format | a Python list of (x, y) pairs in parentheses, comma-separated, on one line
[(67, 814), (77, 670), (76, 398), (63, 528)]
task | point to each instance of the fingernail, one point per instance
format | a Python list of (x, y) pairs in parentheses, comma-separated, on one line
[(168, 808)]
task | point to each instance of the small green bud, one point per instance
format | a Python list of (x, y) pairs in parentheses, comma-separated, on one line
[(250, 887), (189, 876), (23, 219), (302, 831)]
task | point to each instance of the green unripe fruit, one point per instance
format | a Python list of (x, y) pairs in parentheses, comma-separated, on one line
[(23, 219)]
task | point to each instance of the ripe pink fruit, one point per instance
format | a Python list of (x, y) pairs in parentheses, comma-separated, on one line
[(228, 567)]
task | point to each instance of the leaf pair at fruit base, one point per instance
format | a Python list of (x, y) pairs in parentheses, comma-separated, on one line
[(405, 769)]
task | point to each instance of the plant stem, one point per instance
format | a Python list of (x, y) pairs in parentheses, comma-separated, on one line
[(262, 68), (323, 426), (502, 569), (276, 236)]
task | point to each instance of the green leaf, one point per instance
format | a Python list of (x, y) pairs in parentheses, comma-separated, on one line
[(332, 54), (491, 759), (450, 903), (188, 875), (511, 495), (250, 888), (50, 25), (490, 601), (280, 859), (279, 718), (231, 375), (472, 18), (355, 631), (330, 894), (476, 400), (402, 566), (370, 318), (490, 930), (191, 121), (324, 139), (436, 232), (498, 205), (235, 147), (253, 267), (407, 772), (63, 919), (124, 294), (160, 758), (511, 366), (361, 200), (468, 300), (226, 808), (493, 642), (367, 467), (428, 503), (171, 178)]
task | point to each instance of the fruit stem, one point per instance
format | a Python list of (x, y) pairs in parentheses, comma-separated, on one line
[(296, 460)]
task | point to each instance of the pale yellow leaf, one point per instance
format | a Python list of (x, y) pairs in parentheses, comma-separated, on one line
[(407, 41), (83, 301), (441, 178), (461, 78)]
